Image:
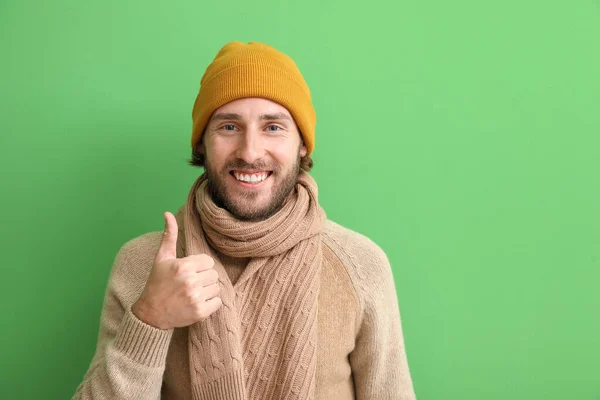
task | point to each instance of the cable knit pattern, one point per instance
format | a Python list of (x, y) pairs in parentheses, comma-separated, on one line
[(262, 343)]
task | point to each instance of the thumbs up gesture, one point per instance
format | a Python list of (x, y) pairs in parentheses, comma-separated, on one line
[(179, 291)]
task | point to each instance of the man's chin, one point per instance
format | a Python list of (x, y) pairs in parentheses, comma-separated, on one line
[(249, 216)]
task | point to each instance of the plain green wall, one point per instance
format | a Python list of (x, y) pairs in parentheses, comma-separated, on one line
[(461, 136)]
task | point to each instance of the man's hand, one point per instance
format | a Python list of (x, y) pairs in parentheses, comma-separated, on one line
[(179, 291)]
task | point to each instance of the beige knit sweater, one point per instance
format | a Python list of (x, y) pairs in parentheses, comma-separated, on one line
[(361, 353)]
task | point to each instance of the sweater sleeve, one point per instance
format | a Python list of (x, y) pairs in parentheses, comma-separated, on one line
[(130, 355), (379, 361)]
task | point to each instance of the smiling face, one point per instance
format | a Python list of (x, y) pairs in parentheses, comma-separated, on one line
[(253, 149)]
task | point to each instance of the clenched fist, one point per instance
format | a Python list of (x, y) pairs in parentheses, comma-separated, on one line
[(179, 291)]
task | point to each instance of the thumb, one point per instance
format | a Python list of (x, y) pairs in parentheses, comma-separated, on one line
[(168, 245)]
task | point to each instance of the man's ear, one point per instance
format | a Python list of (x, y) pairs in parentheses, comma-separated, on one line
[(200, 150), (303, 150)]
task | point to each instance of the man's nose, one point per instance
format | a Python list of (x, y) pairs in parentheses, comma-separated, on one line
[(250, 148)]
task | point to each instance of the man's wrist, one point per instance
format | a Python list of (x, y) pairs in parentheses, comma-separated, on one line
[(142, 312)]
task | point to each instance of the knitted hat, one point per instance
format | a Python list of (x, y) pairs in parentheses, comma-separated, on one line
[(254, 70)]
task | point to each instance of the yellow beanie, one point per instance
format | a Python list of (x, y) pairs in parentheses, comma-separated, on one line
[(254, 70)]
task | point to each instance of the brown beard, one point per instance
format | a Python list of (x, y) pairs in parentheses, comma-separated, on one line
[(217, 188)]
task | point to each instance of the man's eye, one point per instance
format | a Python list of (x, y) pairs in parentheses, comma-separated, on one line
[(273, 128), (229, 127)]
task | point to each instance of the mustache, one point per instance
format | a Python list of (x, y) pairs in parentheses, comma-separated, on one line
[(258, 165)]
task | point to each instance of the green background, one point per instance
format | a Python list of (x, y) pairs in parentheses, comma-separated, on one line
[(460, 136)]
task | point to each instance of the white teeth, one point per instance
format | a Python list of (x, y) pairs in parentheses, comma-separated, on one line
[(250, 178)]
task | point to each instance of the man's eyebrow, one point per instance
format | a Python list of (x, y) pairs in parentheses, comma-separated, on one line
[(226, 117), (275, 116)]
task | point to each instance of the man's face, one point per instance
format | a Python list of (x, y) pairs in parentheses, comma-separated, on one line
[(252, 153)]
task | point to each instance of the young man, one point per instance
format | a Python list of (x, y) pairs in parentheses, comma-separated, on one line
[(250, 292)]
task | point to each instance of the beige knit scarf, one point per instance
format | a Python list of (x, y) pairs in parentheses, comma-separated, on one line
[(261, 344)]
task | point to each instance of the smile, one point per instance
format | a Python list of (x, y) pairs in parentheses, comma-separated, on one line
[(251, 177)]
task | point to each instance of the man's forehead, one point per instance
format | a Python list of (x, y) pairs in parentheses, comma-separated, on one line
[(252, 108), (226, 116)]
